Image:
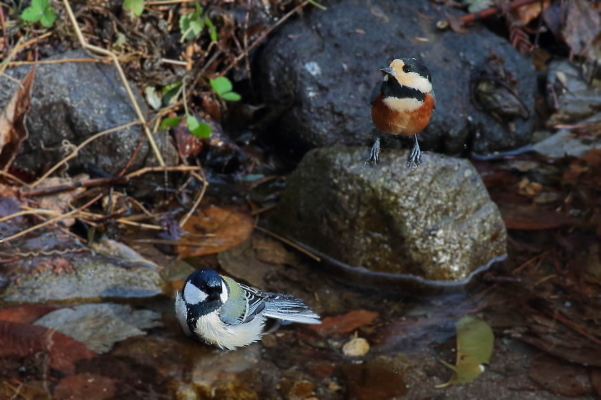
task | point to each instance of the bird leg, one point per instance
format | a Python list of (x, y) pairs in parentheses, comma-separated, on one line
[(415, 157), (374, 154)]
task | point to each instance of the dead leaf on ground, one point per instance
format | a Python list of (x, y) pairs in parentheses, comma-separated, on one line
[(85, 386), (475, 341), (344, 323), (61, 201), (12, 121), (531, 218), (581, 29), (24, 340), (528, 12), (25, 314), (215, 229)]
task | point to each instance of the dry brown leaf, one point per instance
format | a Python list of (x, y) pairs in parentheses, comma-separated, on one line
[(24, 340), (12, 121), (214, 230), (344, 323), (528, 12)]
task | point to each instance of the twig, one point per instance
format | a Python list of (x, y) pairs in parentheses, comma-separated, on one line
[(264, 35), (288, 242), (66, 60), (77, 149), (202, 178), (110, 54), (119, 180), (51, 221), (14, 178), (142, 171)]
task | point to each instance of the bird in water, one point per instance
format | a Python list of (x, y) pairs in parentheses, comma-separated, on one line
[(220, 311)]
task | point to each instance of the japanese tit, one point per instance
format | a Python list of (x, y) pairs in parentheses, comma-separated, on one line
[(222, 312), (402, 104)]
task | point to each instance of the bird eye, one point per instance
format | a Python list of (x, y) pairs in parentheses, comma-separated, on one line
[(406, 69)]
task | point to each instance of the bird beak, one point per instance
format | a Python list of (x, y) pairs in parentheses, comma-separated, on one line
[(387, 70)]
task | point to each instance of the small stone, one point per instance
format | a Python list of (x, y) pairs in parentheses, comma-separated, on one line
[(356, 347)]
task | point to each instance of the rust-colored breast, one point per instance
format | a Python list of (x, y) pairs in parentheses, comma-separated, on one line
[(405, 123)]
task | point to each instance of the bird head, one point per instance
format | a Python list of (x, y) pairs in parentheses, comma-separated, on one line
[(205, 286), (409, 72)]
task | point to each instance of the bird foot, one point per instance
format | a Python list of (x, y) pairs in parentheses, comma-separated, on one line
[(374, 154), (415, 157)]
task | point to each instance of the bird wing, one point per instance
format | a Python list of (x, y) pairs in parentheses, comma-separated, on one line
[(242, 305), (283, 306), (374, 93)]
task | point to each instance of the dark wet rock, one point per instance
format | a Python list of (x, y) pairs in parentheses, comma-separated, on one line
[(382, 378), (569, 94), (560, 377), (564, 143), (79, 277), (100, 326), (436, 222), (317, 73), (72, 101)]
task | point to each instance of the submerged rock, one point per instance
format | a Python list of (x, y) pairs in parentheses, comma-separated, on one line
[(317, 74), (79, 277), (436, 222)]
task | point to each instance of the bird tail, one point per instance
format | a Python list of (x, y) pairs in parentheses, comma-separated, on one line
[(289, 308)]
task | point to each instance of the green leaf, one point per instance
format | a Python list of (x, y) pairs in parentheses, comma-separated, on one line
[(171, 122), (475, 341), (212, 29), (39, 11), (170, 93), (231, 96), (31, 14), (221, 85), (197, 128), (191, 24), (135, 6), (48, 18), (41, 5)]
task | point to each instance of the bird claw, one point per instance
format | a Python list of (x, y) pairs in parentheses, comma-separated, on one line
[(415, 157), (374, 154)]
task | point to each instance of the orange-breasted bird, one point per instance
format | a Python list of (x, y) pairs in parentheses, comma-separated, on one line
[(402, 104)]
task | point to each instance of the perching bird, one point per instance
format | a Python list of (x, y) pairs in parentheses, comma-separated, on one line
[(402, 104), (220, 311)]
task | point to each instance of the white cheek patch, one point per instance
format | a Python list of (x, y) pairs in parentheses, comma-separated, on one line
[(224, 296), (416, 81), (406, 104), (193, 295)]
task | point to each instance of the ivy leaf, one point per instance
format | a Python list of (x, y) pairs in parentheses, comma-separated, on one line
[(191, 24), (197, 128), (223, 88), (39, 11), (475, 341), (212, 29), (135, 6), (221, 85), (231, 96), (171, 122)]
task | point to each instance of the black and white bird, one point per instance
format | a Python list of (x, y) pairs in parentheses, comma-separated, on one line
[(222, 312)]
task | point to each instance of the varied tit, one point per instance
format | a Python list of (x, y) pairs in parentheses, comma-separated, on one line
[(402, 103), (228, 314)]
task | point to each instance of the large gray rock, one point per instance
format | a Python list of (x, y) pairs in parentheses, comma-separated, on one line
[(73, 101), (436, 222), (318, 73)]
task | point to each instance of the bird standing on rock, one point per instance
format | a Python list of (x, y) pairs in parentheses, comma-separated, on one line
[(402, 104), (222, 312)]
